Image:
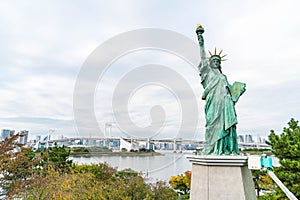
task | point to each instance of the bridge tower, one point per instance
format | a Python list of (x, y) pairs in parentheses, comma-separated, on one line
[(107, 134), (148, 143), (174, 145)]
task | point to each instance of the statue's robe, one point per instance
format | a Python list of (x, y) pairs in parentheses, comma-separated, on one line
[(221, 119)]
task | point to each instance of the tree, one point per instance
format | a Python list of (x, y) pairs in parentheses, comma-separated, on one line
[(286, 147), (58, 156), (50, 175), (181, 182), (162, 191), (96, 181), (17, 166), (263, 182), (187, 179), (101, 171)]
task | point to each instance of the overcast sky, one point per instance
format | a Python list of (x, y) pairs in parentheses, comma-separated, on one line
[(44, 45)]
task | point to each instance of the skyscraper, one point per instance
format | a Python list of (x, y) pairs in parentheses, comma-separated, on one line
[(6, 133), (38, 138), (23, 140), (249, 139), (259, 140), (240, 138)]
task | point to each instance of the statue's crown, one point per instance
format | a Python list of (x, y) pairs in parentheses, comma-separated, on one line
[(216, 56)]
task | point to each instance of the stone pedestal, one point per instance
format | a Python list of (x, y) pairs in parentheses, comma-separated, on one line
[(221, 177)]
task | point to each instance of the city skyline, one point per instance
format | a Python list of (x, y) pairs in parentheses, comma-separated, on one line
[(44, 46), (53, 136)]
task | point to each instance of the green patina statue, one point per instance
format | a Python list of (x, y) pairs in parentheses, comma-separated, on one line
[(220, 97)]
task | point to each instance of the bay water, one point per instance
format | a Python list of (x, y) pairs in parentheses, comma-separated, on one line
[(153, 168)]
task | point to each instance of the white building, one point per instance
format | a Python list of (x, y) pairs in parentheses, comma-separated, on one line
[(23, 140), (128, 145)]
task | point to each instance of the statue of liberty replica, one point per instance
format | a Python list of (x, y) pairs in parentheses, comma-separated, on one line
[(220, 98), (216, 174)]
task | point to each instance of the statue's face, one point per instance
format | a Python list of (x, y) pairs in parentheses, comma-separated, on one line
[(215, 63)]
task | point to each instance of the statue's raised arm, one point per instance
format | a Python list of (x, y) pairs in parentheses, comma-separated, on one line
[(204, 62)]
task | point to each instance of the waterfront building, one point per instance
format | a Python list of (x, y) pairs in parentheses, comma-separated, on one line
[(248, 139), (38, 138), (259, 140), (6, 133), (128, 145), (241, 138), (23, 140)]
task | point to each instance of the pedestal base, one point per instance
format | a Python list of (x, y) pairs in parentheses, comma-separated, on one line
[(221, 177)]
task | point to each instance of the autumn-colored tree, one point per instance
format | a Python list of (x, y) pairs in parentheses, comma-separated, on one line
[(187, 179), (263, 182), (48, 175), (80, 183), (71, 185), (181, 182), (17, 166)]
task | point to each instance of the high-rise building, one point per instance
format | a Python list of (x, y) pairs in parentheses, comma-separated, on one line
[(249, 139), (12, 132), (38, 138), (23, 140), (241, 138), (6, 133), (259, 140)]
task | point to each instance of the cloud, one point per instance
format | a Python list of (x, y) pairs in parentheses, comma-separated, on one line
[(45, 44)]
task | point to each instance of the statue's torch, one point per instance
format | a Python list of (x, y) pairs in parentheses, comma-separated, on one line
[(199, 29)]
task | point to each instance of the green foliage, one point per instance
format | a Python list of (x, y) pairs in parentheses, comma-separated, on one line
[(126, 174), (162, 191), (90, 149), (286, 147), (101, 171), (59, 155), (136, 188), (79, 149), (146, 150)]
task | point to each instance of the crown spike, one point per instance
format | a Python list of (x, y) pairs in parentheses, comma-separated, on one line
[(215, 55), (220, 52)]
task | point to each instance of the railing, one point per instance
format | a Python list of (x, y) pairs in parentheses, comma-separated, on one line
[(263, 162), (288, 193)]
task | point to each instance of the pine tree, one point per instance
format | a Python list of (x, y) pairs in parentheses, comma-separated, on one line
[(286, 147)]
